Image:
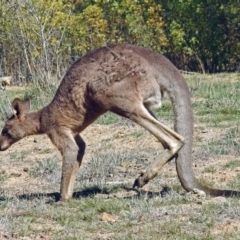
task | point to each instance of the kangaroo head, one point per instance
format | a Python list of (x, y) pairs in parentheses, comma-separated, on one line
[(15, 127)]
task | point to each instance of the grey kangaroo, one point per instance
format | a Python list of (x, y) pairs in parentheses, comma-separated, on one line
[(127, 80)]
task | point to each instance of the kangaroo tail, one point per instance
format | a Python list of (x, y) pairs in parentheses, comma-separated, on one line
[(181, 101)]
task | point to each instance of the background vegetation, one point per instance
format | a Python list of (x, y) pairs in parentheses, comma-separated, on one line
[(40, 39)]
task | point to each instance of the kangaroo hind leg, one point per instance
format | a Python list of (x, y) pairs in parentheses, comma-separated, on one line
[(171, 141)]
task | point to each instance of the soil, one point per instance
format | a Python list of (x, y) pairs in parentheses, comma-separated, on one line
[(18, 162), (21, 157)]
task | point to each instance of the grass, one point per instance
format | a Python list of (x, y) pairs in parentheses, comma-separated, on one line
[(108, 118), (232, 164), (166, 111), (222, 94), (40, 95), (228, 144), (3, 177), (45, 167), (163, 210), (235, 182), (136, 219)]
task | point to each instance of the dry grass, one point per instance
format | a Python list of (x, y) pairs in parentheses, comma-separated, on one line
[(117, 150)]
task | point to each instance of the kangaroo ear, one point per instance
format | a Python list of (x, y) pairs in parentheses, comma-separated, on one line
[(21, 107)]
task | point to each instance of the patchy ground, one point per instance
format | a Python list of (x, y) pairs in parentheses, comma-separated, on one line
[(104, 206), (19, 166), (17, 161)]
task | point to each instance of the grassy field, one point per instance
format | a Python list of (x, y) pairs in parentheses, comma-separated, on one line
[(104, 206)]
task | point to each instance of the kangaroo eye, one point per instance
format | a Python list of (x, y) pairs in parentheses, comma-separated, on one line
[(5, 132)]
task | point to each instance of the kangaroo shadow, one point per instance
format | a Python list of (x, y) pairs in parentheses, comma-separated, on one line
[(92, 191), (140, 193), (55, 196)]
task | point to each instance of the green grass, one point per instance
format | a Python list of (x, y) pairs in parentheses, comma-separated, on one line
[(136, 219), (108, 118), (3, 177), (216, 99), (234, 183), (166, 111), (228, 144), (15, 93), (137, 134), (40, 95), (100, 168), (210, 169), (28, 211), (232, 164), (45, 167)]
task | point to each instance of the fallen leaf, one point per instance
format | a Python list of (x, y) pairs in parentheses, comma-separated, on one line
[(106, 217)]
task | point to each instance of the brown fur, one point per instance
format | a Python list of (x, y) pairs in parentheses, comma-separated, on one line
[(127, 80)]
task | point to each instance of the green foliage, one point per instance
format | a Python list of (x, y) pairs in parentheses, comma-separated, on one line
[(39, 39), (206, 32)]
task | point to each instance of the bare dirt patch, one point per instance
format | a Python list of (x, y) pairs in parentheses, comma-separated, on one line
[(30, 173)]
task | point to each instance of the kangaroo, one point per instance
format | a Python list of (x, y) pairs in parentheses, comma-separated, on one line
[(127, 80)]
